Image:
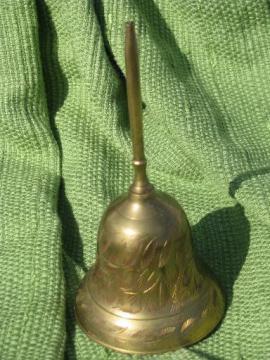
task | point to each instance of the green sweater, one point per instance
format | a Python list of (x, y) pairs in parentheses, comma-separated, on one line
[(65, 154)]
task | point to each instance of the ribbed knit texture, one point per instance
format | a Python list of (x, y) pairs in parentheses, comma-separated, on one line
[(65, 154)]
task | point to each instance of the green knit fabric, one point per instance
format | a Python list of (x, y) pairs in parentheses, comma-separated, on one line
[(65, 154)]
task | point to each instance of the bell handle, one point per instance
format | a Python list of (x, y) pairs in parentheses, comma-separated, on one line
[(140, 184)]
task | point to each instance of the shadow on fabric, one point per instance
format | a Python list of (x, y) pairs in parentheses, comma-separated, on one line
[(184, 71), (236, 183), (72, 258), (205, 356), (221, 239), (56, 87)]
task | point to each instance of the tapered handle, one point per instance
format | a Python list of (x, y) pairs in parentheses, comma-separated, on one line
[(141, 183)]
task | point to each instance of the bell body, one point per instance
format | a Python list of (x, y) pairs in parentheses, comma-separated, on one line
[(146, 293)]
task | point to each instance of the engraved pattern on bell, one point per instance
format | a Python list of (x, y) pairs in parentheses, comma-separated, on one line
[(145, 293)]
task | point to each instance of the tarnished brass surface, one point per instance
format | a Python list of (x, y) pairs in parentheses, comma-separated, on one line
[(146, 293)]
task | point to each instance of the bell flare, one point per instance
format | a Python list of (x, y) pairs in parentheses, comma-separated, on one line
[(145, 293)]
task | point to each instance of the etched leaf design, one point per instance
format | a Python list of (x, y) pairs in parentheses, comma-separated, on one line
[(162, 293), (132, 304), (167, 330), (175, 291), (144, 273), (171, 274), (120, 330), (152, 286), (148, 247), (148, 253), (186, 324), (150, 277), (205, 312), (109, 263), (175, 307), (128, 291), (164, 254), (146, 279)]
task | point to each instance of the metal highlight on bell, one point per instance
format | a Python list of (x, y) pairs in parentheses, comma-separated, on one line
[(146, 292)]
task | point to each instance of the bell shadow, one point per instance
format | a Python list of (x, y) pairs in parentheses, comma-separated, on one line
[(56, 89), (221, 242), (221, 239), (72, 258)]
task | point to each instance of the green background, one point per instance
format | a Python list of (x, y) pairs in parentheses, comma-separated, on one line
[(65, 154)]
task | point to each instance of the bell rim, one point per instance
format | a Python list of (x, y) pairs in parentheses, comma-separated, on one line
[(97, 340), (214, 321)]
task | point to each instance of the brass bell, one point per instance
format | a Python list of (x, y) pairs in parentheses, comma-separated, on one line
[(146, 292)]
